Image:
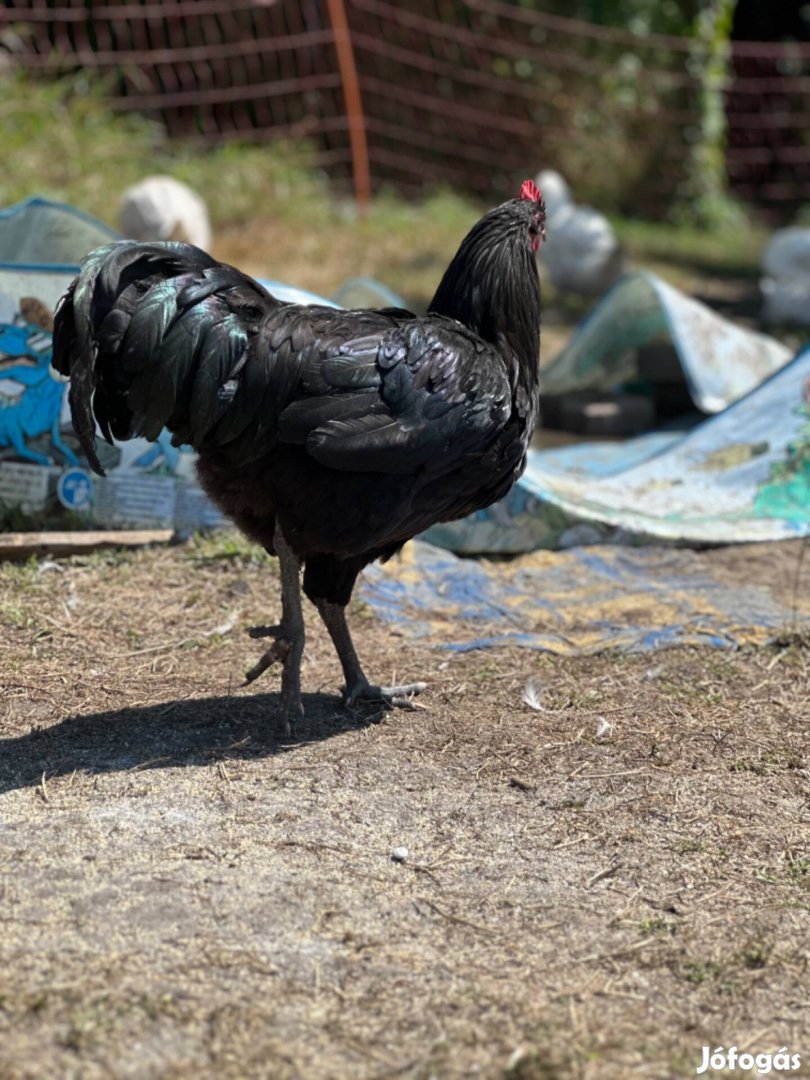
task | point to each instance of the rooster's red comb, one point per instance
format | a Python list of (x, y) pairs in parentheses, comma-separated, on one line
[(530, 191)]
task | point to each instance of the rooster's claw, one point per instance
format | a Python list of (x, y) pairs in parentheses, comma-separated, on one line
[(397, 697)]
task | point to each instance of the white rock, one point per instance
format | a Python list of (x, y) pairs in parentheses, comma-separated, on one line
[(785, 285), (581, 251), (787, 253), (556, 193), (162, 208), (400, 854)]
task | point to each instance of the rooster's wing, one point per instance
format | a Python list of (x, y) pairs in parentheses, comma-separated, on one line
[(421, 395)]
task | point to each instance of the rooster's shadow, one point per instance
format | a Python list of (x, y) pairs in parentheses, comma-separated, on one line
[(199, 731)]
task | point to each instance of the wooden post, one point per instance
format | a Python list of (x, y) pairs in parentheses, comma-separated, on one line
[(353, 102)]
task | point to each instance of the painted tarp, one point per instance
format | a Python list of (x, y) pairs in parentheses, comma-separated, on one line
[(580, 601), (719, 361), (743, 475), (740, 475)]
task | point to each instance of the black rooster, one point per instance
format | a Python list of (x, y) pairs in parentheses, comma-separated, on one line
[(329, 437)]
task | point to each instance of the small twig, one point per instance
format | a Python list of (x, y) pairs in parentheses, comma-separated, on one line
[(570, 843), (643, 944), (149, 763), (610, 775), (456, 918), (579, 769), (602, 874)]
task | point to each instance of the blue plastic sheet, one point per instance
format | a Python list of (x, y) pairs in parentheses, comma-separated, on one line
[(742, 475), (574, 602)]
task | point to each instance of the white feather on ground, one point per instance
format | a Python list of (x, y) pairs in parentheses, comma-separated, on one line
[(533, 693), (785, 284)]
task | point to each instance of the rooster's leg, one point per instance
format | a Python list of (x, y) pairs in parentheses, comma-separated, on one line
[(288, 646), (358, 688)]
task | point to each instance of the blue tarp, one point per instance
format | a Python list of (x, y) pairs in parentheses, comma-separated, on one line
[(574, 602), (743, 475)]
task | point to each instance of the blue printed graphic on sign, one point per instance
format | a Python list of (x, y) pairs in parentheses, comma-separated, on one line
[(75, 489)]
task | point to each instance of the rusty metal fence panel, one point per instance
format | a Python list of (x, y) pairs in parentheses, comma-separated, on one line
[(206, 68), (468, 93)]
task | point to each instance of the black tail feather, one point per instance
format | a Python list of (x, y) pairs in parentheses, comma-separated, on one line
[(155, 335)]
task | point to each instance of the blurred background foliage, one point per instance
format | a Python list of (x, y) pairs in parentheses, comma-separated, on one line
[(634, 101), (634, 117), (641, 17), (68, 143)]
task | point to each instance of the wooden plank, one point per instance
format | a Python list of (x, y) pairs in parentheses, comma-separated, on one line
[(22, 545)]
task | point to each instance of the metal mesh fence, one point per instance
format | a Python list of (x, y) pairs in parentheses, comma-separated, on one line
[(469, 93), (768, 110)]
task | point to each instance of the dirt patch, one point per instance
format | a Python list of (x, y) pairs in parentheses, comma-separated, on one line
[(597, 888)]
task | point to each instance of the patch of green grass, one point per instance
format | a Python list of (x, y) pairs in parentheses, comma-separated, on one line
[(798, 869), (768, 763), (485, 671), (709, 972), (576, 698), (15, 615), (755, 955), (697, 691), (657, 925), (730, 251), (225, 545), (109, 557), (21, 575), (688, 847), (62, 136)]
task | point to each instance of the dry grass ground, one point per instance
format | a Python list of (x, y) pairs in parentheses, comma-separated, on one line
[(185, 896)]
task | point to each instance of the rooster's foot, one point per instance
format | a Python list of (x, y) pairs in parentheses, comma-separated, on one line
[(287, 650), (399, 697), (292, 712)]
